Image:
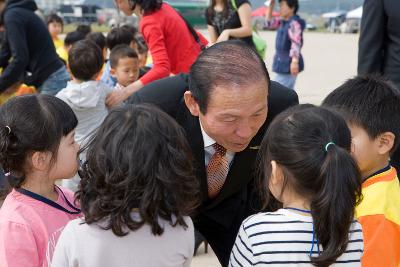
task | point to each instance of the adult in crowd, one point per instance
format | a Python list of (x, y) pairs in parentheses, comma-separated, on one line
[(28, 54), (379, 45), (174, 45), (229, 19), (223, 109)]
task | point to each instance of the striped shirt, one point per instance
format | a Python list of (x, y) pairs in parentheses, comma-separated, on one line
[(284, 238)]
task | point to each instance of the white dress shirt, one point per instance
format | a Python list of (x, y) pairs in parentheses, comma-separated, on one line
[(209, 149)]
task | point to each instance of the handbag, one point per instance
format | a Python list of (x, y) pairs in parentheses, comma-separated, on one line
[(259, 43)]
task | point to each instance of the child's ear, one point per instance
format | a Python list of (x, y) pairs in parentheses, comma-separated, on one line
[(134, 46), (40, 160), (112, 72), (385, 142), (275, 183), (276, 173)]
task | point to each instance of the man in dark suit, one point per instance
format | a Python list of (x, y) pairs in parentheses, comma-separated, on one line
[(379, 43), (224, 114)]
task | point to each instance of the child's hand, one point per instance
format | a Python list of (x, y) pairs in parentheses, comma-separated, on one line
[(115, 98), (294, 68)]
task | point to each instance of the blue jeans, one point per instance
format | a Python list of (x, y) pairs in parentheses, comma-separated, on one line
[(55, 82), (287, 80)]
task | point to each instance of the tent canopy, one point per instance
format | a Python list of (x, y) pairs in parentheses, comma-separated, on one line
[(355, 13)]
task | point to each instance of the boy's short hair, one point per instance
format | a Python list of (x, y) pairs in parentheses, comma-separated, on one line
[(130, 28), (85, 60), (370, 102), (98, 38), (54, 18), (117, 36), (73, 37), (142, 46), (292, 4), (121, 51), (84, 29)]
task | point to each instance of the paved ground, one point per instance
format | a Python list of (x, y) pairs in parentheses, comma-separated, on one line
[(330, 59)]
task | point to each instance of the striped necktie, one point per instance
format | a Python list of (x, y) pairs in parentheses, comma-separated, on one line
[(217, 170)]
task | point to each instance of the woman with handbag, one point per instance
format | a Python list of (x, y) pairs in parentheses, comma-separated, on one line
[(174, 45), (229, 19)]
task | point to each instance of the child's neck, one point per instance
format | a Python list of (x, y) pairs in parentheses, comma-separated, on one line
[(301, 204), (43, 187), (288, 17), (379, 166), (79, 81)]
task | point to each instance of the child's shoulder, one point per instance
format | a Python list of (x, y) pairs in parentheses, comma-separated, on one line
[(262, 217), (16, 209)]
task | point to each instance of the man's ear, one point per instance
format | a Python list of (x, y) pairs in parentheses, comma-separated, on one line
[(385, 142), (191, 104)]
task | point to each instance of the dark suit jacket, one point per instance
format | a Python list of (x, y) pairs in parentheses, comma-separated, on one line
[(379, 44), (218, 219)]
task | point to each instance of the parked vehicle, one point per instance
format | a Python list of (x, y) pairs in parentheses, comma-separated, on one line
[(78, 13), (192, 10)]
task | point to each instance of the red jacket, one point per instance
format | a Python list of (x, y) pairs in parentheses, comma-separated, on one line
[(170, 42)]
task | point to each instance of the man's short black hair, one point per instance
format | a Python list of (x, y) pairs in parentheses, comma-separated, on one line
[(73, 37), (370, 102), (98, 38), (121, 51), (119, 35), (292, 4), (85, 60), (230, 63)]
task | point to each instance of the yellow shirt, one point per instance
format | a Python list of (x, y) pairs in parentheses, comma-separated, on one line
[(379, 215)]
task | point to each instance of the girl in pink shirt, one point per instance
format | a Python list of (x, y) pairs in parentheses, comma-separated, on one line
[(37, 147)]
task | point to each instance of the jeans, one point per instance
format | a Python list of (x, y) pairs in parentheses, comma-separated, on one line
[(55, 82), (287, 80)]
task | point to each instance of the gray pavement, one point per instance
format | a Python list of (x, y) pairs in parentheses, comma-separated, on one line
[(330, 59)]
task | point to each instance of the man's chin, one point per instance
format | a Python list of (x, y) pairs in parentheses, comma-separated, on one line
[(237, 147)]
